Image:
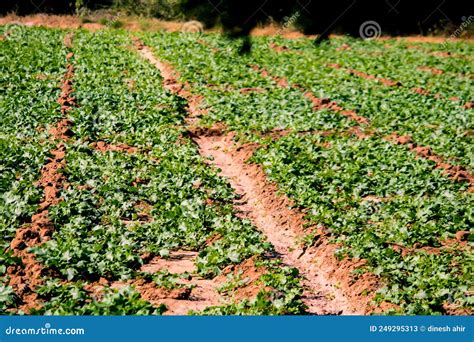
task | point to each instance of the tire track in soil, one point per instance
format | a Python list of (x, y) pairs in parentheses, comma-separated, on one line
[(454, 172), (25, 278), (329, 287)]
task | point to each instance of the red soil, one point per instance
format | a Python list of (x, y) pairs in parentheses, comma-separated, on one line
[(421, 91), (360, 132), (275, 133), (459, 243), (278, 48), (179, 261), (103, 146), (344, 47), (206, 44), (212, 239), (434, 71), (384, 81), (252, 90), (361, 74), (249, 274), (68, 41), (195, 293)]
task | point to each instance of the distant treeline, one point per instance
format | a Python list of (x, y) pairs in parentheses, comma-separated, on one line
[(312, 16)]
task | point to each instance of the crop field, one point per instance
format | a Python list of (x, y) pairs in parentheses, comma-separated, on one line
[(164, 173)]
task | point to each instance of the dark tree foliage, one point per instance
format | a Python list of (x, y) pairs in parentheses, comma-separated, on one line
[(239, 17), (396, 17), (24, 7)]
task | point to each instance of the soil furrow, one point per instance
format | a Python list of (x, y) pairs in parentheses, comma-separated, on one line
[(454, 172), (442, 54), (436, 71), (390, 83), (317, 102), (350, 71)]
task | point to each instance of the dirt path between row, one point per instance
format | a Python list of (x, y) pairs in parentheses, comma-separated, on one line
[(329, 287)]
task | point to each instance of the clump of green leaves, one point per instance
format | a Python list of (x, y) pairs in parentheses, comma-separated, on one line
[(72, 299)]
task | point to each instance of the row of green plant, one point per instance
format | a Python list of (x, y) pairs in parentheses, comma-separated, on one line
[(394, 60), (234, 93), (211, 63), (394, 212), (377, 200), (440, 123), (162, 197), (31, 67)]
